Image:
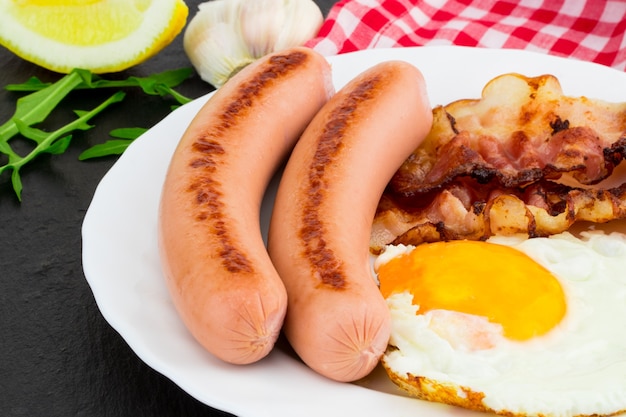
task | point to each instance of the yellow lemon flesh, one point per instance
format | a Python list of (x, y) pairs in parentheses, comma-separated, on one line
[(98, 35)]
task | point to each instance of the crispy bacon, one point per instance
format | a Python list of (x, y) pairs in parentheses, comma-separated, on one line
[(514, 160), (466, 209), (522, 159)]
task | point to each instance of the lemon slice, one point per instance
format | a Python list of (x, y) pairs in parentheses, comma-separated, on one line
[(98, 35)]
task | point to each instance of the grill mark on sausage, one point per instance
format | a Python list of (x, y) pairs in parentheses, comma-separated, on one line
[(210, 154), (328, 267)]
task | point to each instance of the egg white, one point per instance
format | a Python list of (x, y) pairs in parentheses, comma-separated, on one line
[(577, 368)]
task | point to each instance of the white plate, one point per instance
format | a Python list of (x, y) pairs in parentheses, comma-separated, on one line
[(121, 261)]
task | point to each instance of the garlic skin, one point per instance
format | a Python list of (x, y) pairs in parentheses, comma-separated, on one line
[(226, 35)]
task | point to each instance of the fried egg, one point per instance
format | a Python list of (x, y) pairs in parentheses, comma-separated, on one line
[(511, 326)]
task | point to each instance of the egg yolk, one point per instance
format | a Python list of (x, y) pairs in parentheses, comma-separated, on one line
[(494, 281)]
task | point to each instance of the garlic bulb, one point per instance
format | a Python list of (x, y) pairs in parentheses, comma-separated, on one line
[(226, 35)]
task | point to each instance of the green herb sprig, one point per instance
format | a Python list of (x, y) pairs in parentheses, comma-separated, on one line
[(125, 136), (35, 107)]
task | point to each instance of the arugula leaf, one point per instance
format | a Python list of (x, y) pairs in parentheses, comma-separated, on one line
[(113, 147), (54, 142), (59, 146), (35, 107), (44, 98), (32, 84), (160, 84), (128, 132), (108, 148)]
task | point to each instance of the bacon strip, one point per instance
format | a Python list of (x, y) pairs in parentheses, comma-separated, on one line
[(461, 211), (513, 162), (500, 165)]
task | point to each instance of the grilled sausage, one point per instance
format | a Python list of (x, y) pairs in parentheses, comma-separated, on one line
[(215, 262), (337, 321)]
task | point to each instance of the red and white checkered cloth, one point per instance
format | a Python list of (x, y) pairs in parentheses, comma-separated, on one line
[(589, 30)]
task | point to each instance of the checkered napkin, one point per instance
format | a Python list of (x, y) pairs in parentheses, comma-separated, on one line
[(589, 30)]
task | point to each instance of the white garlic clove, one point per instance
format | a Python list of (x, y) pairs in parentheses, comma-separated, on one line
[(303, 19), (272, 25), (261, 23), (226, 35), (213, 44), (218, 54)]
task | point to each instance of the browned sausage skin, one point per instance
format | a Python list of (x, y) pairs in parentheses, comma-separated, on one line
[(337, 320), (217, 269)]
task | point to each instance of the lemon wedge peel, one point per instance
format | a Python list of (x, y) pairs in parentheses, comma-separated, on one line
[(101, 36)]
